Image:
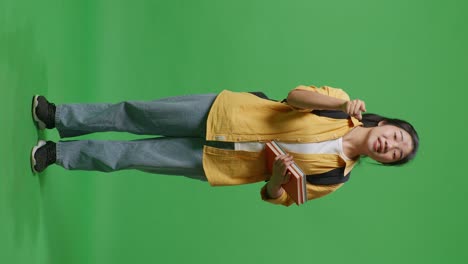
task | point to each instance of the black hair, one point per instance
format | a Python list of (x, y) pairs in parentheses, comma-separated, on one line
[(373, 120)]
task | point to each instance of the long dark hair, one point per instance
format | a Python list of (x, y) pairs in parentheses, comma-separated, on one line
[(373, 120)]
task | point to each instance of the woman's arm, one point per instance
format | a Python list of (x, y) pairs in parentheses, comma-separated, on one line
[(274, 190), (306, 99), (311, 100)]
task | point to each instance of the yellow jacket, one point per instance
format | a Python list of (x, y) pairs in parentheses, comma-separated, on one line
[(243, 117)]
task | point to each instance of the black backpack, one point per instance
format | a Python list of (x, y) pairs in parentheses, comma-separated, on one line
[(334, 176)]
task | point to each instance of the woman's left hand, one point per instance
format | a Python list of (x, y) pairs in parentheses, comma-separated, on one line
[(354, 108)]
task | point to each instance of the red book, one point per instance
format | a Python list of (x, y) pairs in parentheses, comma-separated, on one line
[(296, 186)]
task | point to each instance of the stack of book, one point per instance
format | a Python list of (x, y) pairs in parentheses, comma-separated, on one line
[(296, 186)]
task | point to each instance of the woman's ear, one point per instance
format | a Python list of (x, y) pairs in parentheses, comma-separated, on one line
[(381, 123)]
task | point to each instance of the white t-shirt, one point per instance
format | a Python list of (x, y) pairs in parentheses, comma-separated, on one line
[(334, 146)]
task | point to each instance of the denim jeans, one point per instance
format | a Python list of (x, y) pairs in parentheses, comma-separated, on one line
[(181, 121)]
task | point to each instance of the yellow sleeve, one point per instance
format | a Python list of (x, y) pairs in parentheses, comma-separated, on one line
[(325, 90), (317, 191), (313, 192), (284, 199)]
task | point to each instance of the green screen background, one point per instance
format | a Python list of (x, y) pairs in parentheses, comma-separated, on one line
[(406, 59)]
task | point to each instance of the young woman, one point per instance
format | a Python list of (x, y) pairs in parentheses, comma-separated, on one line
[(220, 138)]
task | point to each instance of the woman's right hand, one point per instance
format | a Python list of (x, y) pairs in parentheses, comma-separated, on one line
[(279, 175), (354, 108)]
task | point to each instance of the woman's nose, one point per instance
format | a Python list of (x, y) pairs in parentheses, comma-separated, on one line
[(389, 145)]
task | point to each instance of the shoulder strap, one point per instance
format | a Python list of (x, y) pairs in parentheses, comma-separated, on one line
[(326, 113), (336, 114), (262, 95), (334, 176)]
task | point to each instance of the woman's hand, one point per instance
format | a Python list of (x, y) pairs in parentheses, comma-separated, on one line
[(279, 175), (282, 162), (354, 108)]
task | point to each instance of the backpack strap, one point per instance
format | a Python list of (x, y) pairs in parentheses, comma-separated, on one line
[(262, 95), (336, 114), (334, 176), (326, 113)]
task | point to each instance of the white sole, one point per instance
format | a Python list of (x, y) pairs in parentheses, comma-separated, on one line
[(39, 123), (40, 143)]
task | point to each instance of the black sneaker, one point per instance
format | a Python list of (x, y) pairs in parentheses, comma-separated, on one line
[(43, 112), (43, 155)]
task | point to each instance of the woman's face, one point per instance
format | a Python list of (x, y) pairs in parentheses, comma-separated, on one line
[(388, 143)]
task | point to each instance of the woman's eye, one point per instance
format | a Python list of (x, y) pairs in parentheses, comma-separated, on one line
[(394, 155), (395, 137)]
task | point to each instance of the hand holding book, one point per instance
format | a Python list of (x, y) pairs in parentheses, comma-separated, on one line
[(285, 174), (279, 175), (280, 166)]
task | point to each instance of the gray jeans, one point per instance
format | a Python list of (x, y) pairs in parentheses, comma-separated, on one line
[(181, 121)]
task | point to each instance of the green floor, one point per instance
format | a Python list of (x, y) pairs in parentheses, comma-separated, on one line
[(404, 58)]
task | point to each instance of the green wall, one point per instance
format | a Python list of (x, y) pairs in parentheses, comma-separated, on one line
[(406, 59)]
